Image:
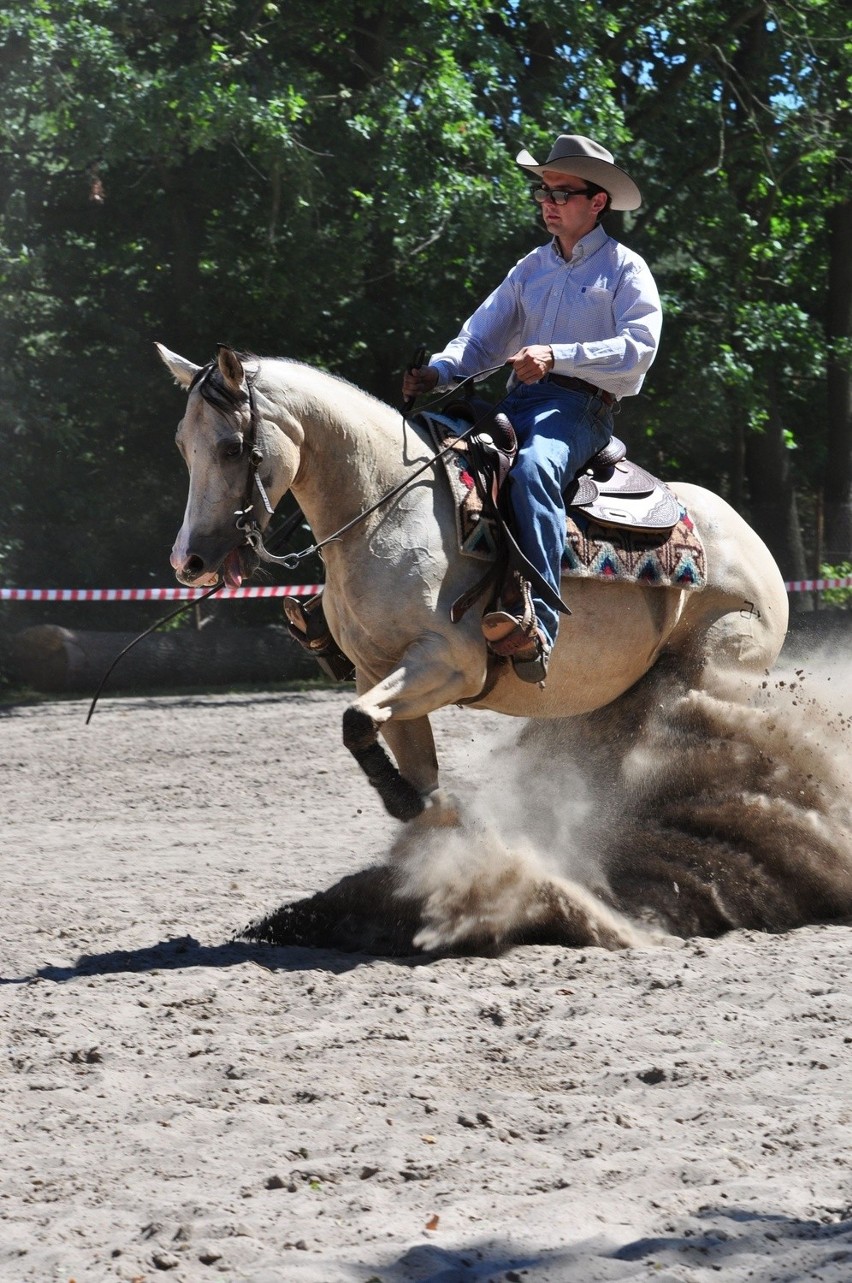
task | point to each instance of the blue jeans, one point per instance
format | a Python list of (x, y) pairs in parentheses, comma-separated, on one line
[(558, 431)]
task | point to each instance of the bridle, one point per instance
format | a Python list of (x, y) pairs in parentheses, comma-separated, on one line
[(245, 518), (222, 397)]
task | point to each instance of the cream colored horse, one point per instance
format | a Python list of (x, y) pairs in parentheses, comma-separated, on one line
[(392, 578)]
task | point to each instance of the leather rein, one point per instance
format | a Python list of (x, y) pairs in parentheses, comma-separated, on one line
[(245, 518), (253, 537)]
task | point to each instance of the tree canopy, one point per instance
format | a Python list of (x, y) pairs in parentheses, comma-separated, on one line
[(336, 183)]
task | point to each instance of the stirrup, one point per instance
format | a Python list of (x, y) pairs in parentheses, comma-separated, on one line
[(513, 638), (507, 634), (306, 625), (534, 670)]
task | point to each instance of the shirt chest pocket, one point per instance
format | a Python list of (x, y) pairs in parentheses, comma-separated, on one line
[(593, 296), (593, 309)]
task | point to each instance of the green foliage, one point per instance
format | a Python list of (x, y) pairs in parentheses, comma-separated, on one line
[(837, 596), (336, 183)]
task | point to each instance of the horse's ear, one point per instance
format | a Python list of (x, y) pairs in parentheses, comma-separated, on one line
[(231, 369), (182, 370)]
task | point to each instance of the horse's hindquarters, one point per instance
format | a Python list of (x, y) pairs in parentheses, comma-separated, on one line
[(740, 619), (610, 640)]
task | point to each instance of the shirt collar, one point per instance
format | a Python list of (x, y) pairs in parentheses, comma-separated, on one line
[(585, 247)]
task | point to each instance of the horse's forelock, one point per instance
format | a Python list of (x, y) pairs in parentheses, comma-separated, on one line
[(201, 374), (213, 388)]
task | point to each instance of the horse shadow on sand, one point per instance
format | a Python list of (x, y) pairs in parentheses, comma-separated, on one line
[(770, 1247), (360, 918), (184, 953)]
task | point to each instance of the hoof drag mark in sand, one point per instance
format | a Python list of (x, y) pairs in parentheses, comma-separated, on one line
[(671, 813)]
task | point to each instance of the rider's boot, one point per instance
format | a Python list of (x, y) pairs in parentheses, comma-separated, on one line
[(512, 632), (307, 625)]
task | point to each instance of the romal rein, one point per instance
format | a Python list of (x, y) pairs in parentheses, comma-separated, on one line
[(249, 527), (246, 523), (255, 459)]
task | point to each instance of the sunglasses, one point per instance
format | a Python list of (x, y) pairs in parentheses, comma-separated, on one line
[(541, 192)]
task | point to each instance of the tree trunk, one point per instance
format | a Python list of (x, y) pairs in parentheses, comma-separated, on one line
[(774, 511), (773, 506), (837, 485), (183, 250)]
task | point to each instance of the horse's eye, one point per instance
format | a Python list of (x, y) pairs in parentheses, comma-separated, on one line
[(233, 449)]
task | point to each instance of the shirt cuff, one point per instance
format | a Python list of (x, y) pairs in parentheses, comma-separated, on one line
[(446, 377), (564, 357)]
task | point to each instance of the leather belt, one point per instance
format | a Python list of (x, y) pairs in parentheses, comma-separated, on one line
[(580, 385)]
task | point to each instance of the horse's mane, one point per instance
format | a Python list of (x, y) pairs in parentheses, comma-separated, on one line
[(212, 387), (318, 373)]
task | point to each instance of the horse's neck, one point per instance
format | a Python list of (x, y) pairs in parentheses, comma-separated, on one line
[(351, 454)]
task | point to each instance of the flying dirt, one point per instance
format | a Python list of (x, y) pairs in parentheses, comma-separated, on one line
[(670, 813)]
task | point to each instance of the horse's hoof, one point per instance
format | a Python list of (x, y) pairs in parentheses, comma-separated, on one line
[(442, 809)]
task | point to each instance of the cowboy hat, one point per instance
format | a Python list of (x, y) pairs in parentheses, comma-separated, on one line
[(574, 154)]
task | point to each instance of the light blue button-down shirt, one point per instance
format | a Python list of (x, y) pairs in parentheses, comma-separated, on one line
[(599, 311)]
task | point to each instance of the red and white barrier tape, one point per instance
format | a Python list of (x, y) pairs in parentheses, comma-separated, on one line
[(155, 594), (265, 590), (817, 585)]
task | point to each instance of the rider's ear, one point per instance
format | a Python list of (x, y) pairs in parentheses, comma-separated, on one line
[(231, 369), (600, 200)]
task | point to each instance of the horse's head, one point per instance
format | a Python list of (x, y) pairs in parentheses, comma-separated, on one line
[(222, 427)]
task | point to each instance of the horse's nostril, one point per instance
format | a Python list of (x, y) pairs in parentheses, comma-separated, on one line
[(194, 565)]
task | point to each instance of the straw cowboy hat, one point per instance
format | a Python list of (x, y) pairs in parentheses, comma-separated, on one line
[(574, 154)]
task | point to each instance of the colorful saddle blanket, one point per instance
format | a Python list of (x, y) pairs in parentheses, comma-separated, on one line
[(664, 559)]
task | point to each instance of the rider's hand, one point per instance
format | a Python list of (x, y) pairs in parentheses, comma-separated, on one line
[(419, 382), (532, 363)]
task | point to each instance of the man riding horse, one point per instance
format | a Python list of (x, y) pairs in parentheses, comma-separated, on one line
[(578, 320)]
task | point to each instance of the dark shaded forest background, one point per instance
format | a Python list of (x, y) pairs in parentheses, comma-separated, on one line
[(335, 182)]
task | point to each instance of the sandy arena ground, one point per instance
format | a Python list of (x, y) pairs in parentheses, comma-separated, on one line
[(176, 1105)]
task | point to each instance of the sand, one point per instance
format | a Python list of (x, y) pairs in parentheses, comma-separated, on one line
[(177, 1104)]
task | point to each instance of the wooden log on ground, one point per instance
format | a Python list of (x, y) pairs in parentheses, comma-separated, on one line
[(53, 659)]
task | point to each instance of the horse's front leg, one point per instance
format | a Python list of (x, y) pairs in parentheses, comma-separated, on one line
[(398, 706), (403, 787)]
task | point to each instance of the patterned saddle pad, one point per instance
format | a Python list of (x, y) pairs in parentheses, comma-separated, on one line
[(673, 560), (663, 559)]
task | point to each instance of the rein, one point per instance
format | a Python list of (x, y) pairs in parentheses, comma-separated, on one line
[(245, 518), (164, 619)]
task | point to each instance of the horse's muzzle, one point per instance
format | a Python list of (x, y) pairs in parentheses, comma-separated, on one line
[(196, 571)]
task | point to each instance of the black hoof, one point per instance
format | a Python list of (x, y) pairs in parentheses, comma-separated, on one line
[(401, 799)]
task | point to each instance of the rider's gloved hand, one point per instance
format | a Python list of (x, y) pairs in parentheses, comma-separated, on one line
[(420, 381)]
